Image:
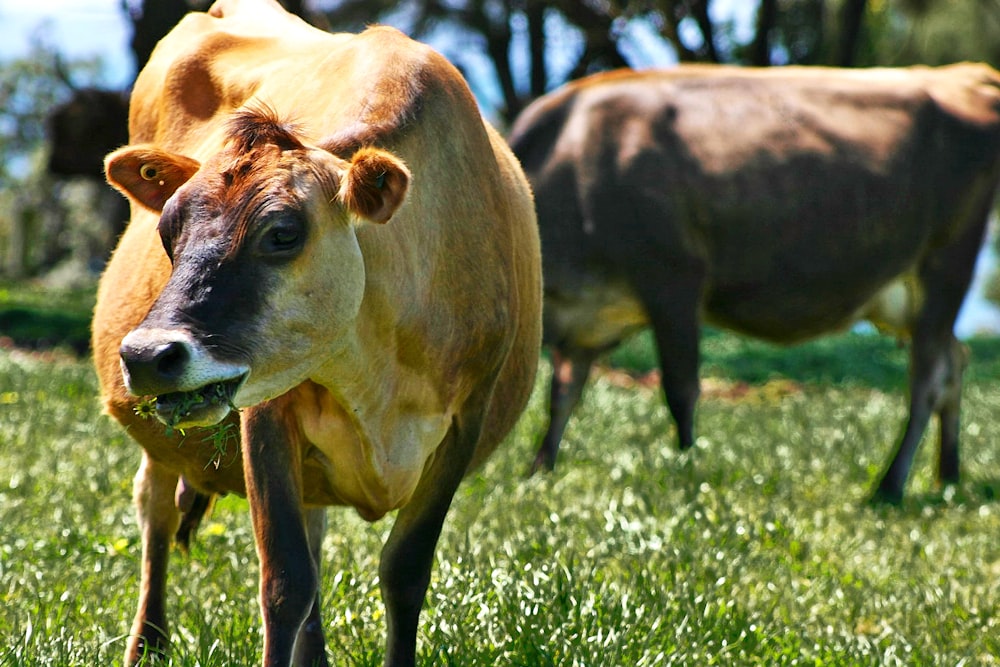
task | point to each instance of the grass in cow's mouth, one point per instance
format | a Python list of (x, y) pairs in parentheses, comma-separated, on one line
[(220, 435)]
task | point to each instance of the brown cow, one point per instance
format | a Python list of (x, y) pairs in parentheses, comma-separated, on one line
[(779, 203), (326, 237)]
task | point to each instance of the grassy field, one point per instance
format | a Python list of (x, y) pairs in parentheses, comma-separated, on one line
[(755, 548)]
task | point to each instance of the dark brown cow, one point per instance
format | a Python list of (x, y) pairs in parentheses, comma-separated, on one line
[(84, 128), (326, 237), (779, 203)]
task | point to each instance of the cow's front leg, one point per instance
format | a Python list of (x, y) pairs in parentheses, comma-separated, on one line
[(948, 409), (936, 367), (158, 520), (310, 645), (288, 578), (408, 554)]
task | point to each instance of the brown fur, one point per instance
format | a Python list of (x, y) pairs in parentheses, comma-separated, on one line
[(374, 176), (248, 111)]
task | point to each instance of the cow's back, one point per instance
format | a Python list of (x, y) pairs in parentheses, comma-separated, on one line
[(781, 183)]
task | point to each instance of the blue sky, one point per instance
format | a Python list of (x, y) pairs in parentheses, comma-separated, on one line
[(79, 28)]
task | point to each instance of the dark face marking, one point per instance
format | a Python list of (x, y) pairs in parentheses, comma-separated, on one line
[(227, 231)]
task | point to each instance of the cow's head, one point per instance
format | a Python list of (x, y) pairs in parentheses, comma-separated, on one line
[(267, 270)]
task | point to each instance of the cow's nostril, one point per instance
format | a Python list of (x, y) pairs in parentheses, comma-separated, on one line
[(171, 359)]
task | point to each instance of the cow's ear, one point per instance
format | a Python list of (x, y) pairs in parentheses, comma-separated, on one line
[(374, 184), (148, 175)]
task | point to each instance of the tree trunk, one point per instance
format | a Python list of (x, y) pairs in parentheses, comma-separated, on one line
[(699, 10), (760, 50), (852, 15), (536, 45)]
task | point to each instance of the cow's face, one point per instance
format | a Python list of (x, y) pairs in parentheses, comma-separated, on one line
[(267, 270)]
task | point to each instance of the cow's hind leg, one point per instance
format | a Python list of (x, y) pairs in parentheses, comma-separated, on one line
[(408, 554), (936, 368), (570, 370), (194, 507), (310, 645), (158, 520), (937, 361), (673, 308)]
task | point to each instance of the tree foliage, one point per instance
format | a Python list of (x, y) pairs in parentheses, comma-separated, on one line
[(29, 87), (526, 47), (32, 207)]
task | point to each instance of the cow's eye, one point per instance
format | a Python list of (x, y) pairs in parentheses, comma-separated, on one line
[(283, 238)]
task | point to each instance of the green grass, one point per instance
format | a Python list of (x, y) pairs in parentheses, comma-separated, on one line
[(34, 317), (755, 548)]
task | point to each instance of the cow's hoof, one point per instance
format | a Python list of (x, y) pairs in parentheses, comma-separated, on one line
[(539, 467), (542, 463), (886, 497)]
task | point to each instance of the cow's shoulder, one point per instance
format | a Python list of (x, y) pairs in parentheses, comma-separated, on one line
[(392, 84)]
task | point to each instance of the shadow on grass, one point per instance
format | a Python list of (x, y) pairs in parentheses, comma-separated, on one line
[(35, 318), (969, 493), (38, 330), (848, 359)]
